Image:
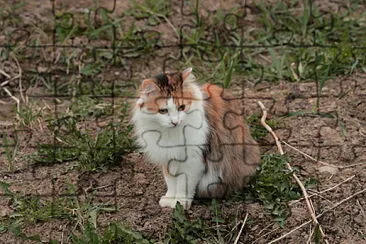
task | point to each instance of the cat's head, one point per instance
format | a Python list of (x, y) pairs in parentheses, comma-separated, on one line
[(166, 98)]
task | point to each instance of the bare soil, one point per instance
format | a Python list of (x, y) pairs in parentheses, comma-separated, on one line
[(336, 136), (136, 186)]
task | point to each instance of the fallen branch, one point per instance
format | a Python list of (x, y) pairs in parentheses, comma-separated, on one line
[(241, 229), (20, 78), (318, 216), (14, 98), (7, 81), (268, 233), (304, 192), (4, 73), (308, 156), (318, 161), (326, 190)]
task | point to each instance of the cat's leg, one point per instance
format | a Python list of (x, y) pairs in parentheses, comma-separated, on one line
[(210, 185), (168, 200), (190, 174)]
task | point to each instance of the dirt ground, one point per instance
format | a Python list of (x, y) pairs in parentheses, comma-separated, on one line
[(135, 186)]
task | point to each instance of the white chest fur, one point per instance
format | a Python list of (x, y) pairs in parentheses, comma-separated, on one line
[(179, 143)]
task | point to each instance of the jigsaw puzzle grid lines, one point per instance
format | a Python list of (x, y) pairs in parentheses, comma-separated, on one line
[(156, 42)]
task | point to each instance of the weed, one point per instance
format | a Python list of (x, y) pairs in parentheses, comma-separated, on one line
[(27, 116), (318, 46), (218, 220), (15, 228), (114, 233), (274, 187), (186, 230), (362, 235), (10, 147), (339, 32), (154, 11), (311, 182), (9, 15), (93, 150), (317, 236), (183, 230), (29, 210), (257, 129), (86, 212), (66, 27), (33, 209)]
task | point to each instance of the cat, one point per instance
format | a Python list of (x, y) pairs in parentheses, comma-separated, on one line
[(197, 135)]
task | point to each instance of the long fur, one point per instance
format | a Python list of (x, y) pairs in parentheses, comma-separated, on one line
[(205, 149)]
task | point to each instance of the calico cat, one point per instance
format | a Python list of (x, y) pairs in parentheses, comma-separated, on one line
[(197, 135)]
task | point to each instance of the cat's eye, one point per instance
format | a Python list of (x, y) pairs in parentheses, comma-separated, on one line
[(181, 107), (163, 111)]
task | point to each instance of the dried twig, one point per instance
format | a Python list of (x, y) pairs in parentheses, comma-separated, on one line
[(14, 98), (20, 78), (308, 156), (318, 216), (4, 73), (4, 83), (361, 208), (241, 229), (306, 196), (318, 161), (326, 190), (268, 233), (166, 20), (311, 233), (265, 228), (331, 188), (268, 128), (101, 187)]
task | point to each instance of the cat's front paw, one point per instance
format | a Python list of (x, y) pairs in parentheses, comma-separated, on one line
[(167, 202), (185, 202)]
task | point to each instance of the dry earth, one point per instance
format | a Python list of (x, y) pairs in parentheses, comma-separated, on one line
[(136, 186)]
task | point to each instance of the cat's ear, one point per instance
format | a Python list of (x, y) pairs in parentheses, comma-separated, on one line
[(148, 86), (186, 73)]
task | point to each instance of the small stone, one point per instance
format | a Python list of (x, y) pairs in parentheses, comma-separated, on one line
[(328, 169), (5, 211)]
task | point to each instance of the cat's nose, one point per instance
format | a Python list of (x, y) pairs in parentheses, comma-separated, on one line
[(174, 123)]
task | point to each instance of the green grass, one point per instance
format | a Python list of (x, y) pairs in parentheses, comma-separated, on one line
[(274, 186), (28, 116), (113, 233), (31, 210), (293, 45), (184, 230), (93, 148), (153, 11), (257, 129), (10, 146), (28, 210), (286, 43)]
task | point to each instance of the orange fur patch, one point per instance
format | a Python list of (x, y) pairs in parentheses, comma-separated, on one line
[(157, 100), (233, 151)]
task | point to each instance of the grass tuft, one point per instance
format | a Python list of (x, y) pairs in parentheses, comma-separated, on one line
[(273, 186), (184, 230), (91, 148), (257, 129), (113, 233)]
